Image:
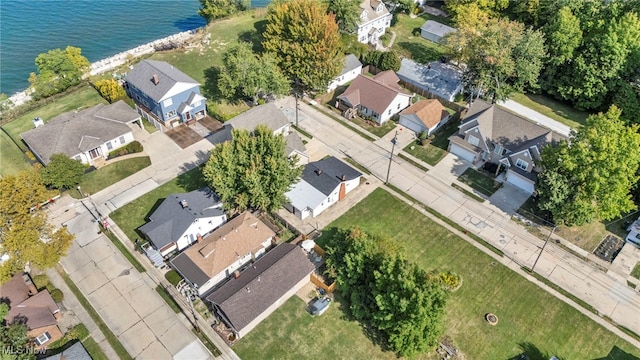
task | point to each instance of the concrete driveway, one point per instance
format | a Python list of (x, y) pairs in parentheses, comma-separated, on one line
[(509, 198)]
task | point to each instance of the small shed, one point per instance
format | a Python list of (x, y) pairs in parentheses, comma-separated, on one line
[(435, 31)]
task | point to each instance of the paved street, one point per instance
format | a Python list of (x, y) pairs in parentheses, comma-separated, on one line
[(608, 293)]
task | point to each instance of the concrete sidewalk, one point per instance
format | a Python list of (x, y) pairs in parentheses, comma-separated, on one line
[(606, 293)]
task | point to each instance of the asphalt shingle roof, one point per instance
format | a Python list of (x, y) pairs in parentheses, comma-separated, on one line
[(261, 285), (326, 174), (141, 77), (351, 63), (374, 93), (437, 28), (429, 111), (439, 78), (267, 114), (73, 132), (169, 221)]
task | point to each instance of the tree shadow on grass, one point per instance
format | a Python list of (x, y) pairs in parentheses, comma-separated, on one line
[(193, 179), (254, 36), (419, 52), (529, 351), (210, 88)]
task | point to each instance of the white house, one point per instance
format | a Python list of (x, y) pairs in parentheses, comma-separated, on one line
[(379, 97), (425, 115), (217, 256), (374, 21), (86, 135), (323, 183), (183, 218), (351, 69)]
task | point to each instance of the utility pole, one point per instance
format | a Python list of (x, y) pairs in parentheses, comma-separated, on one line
[(541, 250), (296, 94), (394, 141)]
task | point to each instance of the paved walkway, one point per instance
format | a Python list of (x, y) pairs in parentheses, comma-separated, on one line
[(540, 119), (606, 292)]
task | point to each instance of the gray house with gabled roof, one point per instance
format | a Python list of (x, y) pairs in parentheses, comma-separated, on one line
[(242, 303), (323, 183), (182, 219), (489, 133), (267, 114), (442, 80), (435, 31), (352, 68), (87, 135), (165, 95)]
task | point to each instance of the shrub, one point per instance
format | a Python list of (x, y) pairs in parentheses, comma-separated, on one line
[(40, 281), (57, 295), (131, 148), (450, 280), (173, 277)]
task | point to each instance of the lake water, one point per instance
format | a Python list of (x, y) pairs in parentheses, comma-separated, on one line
[(101, 28)]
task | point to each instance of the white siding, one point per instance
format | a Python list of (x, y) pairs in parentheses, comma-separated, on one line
[(519, 181), (202, 226), (398, 104), (411, 122), (462, 153), (344, 78), (381, 24), (330, 200), (351, 184)]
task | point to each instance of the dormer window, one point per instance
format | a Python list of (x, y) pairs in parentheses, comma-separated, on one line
[(363, 15), (522, 164), (380, 7)]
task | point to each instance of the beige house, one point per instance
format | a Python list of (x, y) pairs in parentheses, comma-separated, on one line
[(425, 115), (216, 257)]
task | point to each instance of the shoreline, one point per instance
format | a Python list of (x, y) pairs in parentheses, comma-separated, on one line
[(103, 65)]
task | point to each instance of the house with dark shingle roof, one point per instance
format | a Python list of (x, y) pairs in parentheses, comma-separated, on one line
[(36, 309), (164, 95), (373, 21), (85, 135), (183, 218), (267, 114), (425, 115), (489, 133), (242, 303), (323, 183), (76, 351), (379, 97), (352, 68), (217, 256), (442, 80)]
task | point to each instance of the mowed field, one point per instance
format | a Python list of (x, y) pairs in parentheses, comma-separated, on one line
[(531, 321)]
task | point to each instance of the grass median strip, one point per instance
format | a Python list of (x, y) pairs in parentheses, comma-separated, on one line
[(414, 163), (164, 294), (468, 193), (357, 165), (298, 129), (109, 335)]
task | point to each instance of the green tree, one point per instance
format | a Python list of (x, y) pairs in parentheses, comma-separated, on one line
[(347, 14), (215, 9), (26, 236), (502, 56), (305, 41), (246, 74), (251, 171), (389, 60), (563, 35), (57, 71), (110, 90), (386, 292), (62, 172), (590, 177), (13, 337)]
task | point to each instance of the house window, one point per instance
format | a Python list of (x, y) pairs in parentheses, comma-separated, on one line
[(145, 103), (498, 149), (196, 103), (522, 164), (389, 111), (109, 146), (43, 338), (167, 102), (473, 140), (398, 106), (78, 158), (171, 114), (121, 139)]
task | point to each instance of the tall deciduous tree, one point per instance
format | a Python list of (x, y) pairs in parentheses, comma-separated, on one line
[(244, 73), (502, 56), (386, 292), (216, 9), (110, 90), (306, 42), (347, 14), (57, 71), (590, 177), (251, 171), (25, 235), (62, 172)]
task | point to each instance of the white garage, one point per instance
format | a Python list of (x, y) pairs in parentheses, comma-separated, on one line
[(462, 153), (520, 181), (412, 123)]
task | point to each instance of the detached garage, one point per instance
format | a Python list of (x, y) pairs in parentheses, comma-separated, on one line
[(425, 115)]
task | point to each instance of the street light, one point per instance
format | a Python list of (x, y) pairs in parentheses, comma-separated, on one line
[(394, 141)]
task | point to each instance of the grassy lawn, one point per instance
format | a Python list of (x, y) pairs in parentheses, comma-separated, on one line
[(636, 271), (377, 130), (528, 315), (198, 62), (124, 250), (79, 332), (133, 215), (427, 153), (12, 157), (587, 236), (99, 179), (414, 46), (552, 108), (479, 181)]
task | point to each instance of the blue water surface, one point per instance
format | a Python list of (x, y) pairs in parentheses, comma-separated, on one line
[(101, 28)]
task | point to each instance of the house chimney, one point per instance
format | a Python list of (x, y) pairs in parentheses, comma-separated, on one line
[(184, 204), (343, 178), (199, 238), (236, 274), (156, 80), (318, 171)]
